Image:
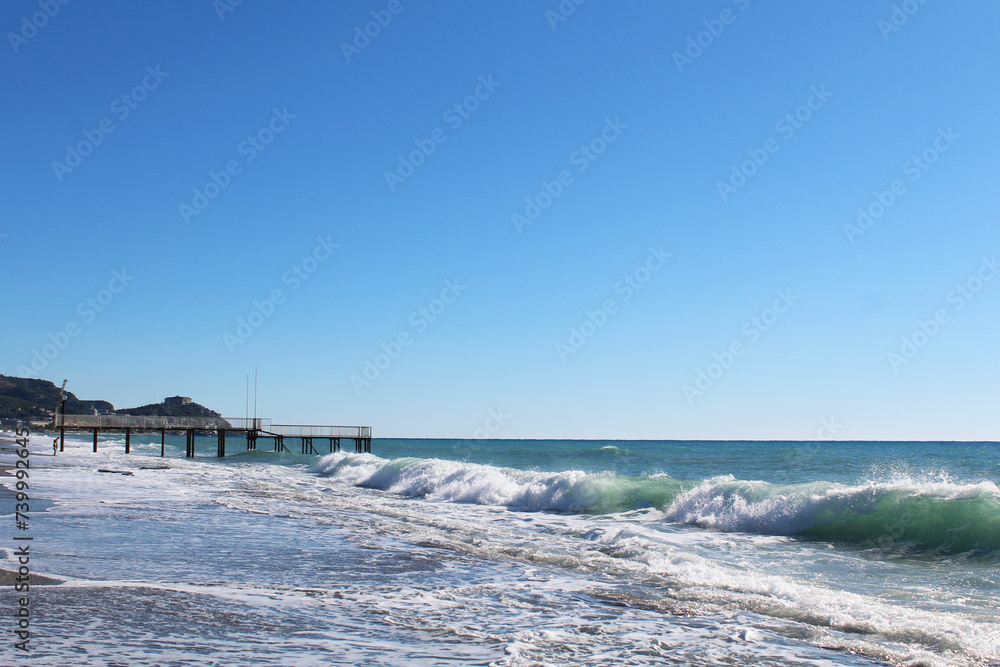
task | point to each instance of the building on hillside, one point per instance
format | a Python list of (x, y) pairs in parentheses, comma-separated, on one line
[(177, 400)]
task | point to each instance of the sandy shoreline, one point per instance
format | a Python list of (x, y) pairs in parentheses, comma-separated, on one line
[(7, 577), (7, 441)]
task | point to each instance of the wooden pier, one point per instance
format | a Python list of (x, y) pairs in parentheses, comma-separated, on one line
[(252, 430)]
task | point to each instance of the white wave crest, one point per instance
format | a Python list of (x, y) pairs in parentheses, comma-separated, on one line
[(453, 481), (732, 505)]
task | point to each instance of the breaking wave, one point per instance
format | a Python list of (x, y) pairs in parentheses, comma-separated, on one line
[(904, 515)]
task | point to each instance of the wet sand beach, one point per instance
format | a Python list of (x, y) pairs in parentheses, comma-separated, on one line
[(7, 496)]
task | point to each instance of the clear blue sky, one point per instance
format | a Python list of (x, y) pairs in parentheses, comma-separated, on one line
[(310, 129)]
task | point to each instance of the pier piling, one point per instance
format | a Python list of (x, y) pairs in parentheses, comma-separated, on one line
[(251, 429)]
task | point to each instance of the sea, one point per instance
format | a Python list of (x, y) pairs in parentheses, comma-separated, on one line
[(510, 553)]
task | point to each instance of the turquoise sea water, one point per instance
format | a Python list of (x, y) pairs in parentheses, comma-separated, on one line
[(929, 496), (524, 553)]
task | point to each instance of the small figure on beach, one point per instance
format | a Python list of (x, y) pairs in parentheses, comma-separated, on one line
[(55, 446)]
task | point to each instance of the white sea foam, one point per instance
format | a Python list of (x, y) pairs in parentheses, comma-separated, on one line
[(455, 481), (546, 588), (905, 511), (857, 622)]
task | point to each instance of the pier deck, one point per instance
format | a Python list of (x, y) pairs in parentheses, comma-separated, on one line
[(252, 429)]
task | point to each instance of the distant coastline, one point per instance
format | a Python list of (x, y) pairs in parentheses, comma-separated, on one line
[(33, 400)]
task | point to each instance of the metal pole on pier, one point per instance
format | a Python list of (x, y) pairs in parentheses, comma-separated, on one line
[(61, 409)]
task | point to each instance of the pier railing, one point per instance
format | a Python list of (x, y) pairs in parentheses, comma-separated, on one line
[(295, 431), (140, 422), (249, 423), (252, 429), (210, 424)]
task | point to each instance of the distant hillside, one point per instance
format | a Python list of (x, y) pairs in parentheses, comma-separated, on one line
[(18, 408), (31, 399), (164, 410), (28, 398)]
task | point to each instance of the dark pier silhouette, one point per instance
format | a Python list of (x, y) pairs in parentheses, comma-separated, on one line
[(251, 429)]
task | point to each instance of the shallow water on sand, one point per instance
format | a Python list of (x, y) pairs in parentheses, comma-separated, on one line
[(517, 554)]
